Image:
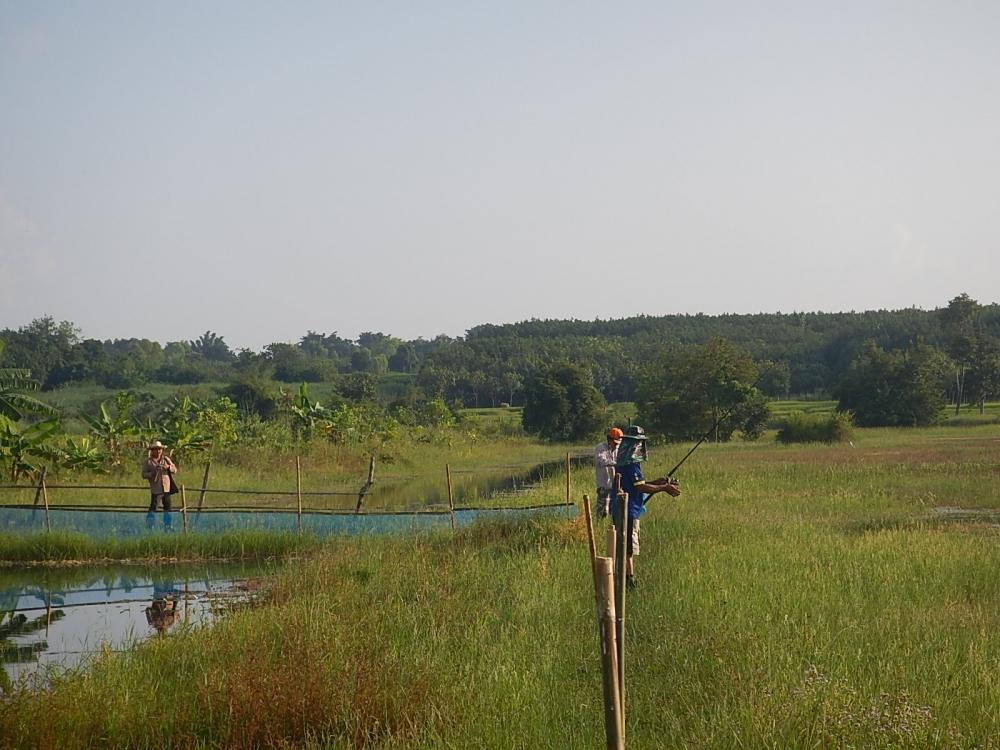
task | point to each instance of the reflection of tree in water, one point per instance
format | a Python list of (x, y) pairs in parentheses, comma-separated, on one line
[(17, 624)]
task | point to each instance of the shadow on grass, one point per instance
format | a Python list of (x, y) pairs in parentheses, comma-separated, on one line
[(943, 518)]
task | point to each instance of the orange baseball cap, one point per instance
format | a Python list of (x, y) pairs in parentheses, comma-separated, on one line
[(615, 434)]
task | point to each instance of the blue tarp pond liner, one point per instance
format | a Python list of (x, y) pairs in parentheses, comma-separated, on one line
[(102, 523)]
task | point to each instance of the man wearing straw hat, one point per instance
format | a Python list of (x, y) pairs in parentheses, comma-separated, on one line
[(631, 483), (159, 470)]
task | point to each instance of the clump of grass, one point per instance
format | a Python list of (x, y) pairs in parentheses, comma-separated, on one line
[(67, 546), (800, 427)]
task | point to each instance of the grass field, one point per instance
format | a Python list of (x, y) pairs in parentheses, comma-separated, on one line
[(793, 597)]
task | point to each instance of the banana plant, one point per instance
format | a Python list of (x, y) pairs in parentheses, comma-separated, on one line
[(112, 431), (19, 446), (14, 404), (178, 428), (308, 415), (83, 454)]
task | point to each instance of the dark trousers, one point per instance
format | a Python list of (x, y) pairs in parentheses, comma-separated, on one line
[(155, 499)]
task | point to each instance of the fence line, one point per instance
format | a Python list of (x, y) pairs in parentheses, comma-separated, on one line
[(146, 487), (42, 487)]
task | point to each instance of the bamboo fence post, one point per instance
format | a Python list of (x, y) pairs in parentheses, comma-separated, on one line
[(204, 484), (614, 724), (45, 499), (568, 499), (367, 485), (592, 547), (451, 497), (298, 487), (41, 484), (184, 508), (623, 534)]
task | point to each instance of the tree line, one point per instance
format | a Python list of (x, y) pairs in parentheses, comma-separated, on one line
[(563, 372), (814, 354)]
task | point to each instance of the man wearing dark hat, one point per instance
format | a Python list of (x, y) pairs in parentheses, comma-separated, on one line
[(630, 481)]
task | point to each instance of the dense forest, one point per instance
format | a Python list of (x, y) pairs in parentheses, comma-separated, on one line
[(491, 363)]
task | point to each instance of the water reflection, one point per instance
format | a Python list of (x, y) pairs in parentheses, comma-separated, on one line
[(52, 619)]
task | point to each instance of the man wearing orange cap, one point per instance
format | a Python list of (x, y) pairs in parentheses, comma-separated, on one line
[(604, 466)]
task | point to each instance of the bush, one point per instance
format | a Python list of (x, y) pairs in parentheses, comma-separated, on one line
[(800, 427)]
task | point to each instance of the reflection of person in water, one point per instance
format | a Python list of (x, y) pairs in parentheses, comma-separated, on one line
[(162, 613)]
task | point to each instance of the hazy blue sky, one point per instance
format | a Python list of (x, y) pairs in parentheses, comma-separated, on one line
[(262, 169)]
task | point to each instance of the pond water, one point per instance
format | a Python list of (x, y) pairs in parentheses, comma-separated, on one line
[(98, 524), (52, 619)]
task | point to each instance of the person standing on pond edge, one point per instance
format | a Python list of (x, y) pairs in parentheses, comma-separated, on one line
[(628, 476), (159, 470), (604, 467)]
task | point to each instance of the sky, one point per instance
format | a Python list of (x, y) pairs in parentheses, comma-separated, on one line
[(264, 169)]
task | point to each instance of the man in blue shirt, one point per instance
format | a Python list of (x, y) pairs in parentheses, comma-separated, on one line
[(631, 482)]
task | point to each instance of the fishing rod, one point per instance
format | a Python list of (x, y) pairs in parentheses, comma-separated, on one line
[(715, 425)]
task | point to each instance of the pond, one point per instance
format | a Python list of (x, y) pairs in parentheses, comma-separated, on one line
[(101, 523), (52, 619)]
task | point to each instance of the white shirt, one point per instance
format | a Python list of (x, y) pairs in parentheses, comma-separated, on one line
[(604, 464)]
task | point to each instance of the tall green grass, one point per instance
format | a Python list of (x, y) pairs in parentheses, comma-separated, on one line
[(805, 596), (61, 546), (798, 427)]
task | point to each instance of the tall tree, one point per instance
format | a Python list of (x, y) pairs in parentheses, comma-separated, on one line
[(212, 347), (960, 323), (684, 392), (561, 403), (903, 388)]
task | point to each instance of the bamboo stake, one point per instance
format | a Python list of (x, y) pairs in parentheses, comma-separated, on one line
[(298, 487), (204, 485), (592, 544), (590, 535), (184, 508), (41, 484), (568, 500), (45, 499), (451, 498), (614, 724), (620, 601), (367, 485)]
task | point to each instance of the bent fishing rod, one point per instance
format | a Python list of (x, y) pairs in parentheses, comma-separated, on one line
[(715, 425)]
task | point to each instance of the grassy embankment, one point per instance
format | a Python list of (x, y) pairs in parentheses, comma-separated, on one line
[(794, 597)]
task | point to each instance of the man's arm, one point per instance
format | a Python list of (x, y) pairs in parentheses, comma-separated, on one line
[(659, 485)]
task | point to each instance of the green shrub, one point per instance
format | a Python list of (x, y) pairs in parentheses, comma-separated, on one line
[(799, 427)]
